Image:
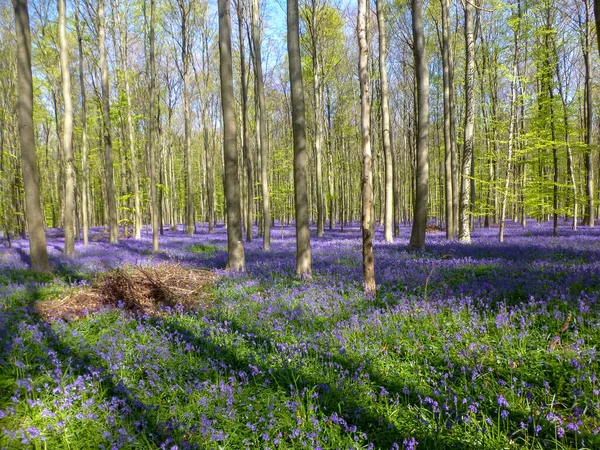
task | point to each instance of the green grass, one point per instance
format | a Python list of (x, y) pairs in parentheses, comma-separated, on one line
[(266, 365)]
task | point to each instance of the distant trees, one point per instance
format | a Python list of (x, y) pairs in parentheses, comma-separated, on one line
[(107, 128), (149, 96)]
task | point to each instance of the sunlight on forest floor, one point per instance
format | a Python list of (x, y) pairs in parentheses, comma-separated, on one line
[(466, 346)]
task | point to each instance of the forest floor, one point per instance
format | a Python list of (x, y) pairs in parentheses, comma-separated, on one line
[(480, 346)]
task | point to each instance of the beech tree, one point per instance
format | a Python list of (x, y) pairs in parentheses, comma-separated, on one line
[(417, 237), (367, 171), (107, 128), (235, 247), (464, 231), (69, 222), (303, 254), (33, 211)]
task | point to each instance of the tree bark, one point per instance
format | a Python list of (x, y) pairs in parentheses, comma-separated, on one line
[(235, 247), (367, 172), (388, 232), (589, 157), (261, 124), (464, 232), (107, 129), (249, 219), (84, 143), (33, 209), (303, 253), (511, 127), (417, 237), (69, 216), (184, 10), (152, 132), (449, 137)]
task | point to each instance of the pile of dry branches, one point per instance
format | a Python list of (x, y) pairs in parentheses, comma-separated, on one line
[(145, 290)]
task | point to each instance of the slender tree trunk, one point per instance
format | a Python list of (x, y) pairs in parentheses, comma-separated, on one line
[(107, 129), (318, 114), (152, 132), (511, 128), (597, 17), (417, 237), (303, 253), (367, 172), (235, 246), (261, 123), (245, 131), (464, 232), (587, 56), (185, 35), (388, 232), (69, 181), (33, 210), (449, 144)]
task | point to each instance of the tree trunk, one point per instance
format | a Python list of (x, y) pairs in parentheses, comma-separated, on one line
[(249, 217), (235, 247), (303, 254), (388, 232), (261, 124), (33, 210), (589, 168), (367, 172), (69, 181), (152, 132), (318, 114), (464, 232), (511, 127), (417, 237), (190, 224), (107, 129), (449, 142)]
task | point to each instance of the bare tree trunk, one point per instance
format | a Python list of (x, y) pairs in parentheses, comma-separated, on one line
[(511, 128), (108, 150), (417, 237), (33, 210), (261, 124), (449, 143), (303, 254), (587, 56), (388, 232), (249, 219), (186, 45), (464, 232), (235, 247), (152, 133), (367, 172), (314, 25), (69, 181)]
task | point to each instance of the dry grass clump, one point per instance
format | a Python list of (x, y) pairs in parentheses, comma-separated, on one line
[(145, 290)]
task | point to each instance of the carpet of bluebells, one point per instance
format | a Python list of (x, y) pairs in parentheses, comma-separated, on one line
[(480, 346)]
